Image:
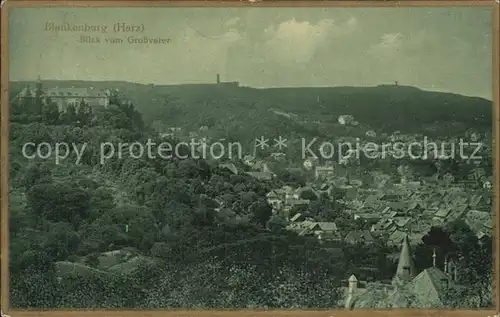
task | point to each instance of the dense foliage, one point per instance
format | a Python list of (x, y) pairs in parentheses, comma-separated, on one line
[(187, 232), (67, 215)]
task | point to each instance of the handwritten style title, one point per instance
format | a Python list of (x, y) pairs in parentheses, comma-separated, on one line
[(88, 33), (101, 28)]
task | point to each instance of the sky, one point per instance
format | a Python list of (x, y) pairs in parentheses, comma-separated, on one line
[(441, 49)]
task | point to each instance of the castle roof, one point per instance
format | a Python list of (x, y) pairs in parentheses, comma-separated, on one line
[(63, 92)]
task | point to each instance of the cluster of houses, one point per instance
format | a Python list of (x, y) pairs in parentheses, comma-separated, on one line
[(391, 210)]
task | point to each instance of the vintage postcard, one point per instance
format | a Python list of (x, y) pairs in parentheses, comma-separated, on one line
[(249, 157)]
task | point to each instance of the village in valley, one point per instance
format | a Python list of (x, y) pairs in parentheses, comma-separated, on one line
[(321, 158), (349, 203), (397, 209)]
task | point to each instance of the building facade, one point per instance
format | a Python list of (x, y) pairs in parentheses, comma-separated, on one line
[(65, 96)]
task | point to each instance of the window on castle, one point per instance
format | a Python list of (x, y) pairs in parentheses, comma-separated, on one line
[(69, 93)]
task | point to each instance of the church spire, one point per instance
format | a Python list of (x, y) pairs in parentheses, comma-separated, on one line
[(406, 268)]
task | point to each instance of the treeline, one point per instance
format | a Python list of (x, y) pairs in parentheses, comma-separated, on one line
[(210, 233)]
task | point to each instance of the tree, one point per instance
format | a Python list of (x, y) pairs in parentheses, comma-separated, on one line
[(84, 113), (50, 113), (35, 173), (61, 241), (143, 229), (59, 201), (92, 260), (261, 212)]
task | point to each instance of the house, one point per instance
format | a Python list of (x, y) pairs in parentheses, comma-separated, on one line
[(249, 160), (479, 221), (230, 167), (457, 212), (372, 216), (359, 236), (176, 129), (345, 119), (402, 222), (306, 192), (296, 202), (325, 226), (371, 200), (443, 211), (63, 97), (325, 231), (356, 182), (193, 135), (323, 172), (166, 135), (395, 237), (262, 175), (275, 200), (298, 217)]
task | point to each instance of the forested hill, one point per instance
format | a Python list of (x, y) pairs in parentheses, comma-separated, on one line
[(384, 108)]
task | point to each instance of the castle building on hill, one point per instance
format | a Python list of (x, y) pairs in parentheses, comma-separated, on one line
[(426, 289), (64, 97)]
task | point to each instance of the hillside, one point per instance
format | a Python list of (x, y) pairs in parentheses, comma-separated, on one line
[(384, 108), (183, 232)]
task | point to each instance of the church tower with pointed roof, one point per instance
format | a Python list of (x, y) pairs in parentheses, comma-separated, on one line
[(406, 268)]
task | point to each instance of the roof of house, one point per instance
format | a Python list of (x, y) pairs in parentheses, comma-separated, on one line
[(443, 212), (305, 189), (273, 194), (429, 286), (327, 226), (359, 235), (230, 166), (424, 290), (296, 217), (401, 221), (68, 92), (261, 175), (295, 202)]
